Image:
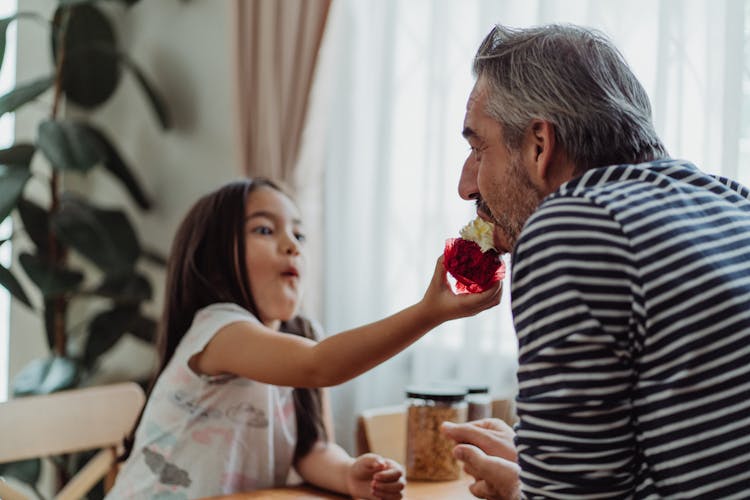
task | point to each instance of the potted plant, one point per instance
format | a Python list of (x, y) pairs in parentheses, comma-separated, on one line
[(78, 251)]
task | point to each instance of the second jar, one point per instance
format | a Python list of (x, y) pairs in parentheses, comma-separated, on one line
[(429, 454)]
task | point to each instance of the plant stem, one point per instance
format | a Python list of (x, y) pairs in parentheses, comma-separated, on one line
[(57, 252)]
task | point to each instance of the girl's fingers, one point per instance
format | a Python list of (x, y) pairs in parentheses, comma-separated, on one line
[(387, 476), (390, 487), (385, 493), (388, 496)]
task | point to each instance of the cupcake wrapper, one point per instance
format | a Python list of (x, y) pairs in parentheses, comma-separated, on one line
[(475, 271)]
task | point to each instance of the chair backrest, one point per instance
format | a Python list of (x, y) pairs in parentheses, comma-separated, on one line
[(505, 409), (67, 422), (383, 431)]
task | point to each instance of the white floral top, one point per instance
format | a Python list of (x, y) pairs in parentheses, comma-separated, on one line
[(203, 436)]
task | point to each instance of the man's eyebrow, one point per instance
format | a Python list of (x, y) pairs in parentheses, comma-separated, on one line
[(468, 132), (270, 215)]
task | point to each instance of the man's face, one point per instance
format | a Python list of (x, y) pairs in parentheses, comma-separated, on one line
[(494, 176)]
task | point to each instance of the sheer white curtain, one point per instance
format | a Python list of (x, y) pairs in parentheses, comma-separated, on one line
[(397, 75)]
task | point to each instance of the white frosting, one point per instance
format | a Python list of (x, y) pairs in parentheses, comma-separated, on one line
[(480, 232)]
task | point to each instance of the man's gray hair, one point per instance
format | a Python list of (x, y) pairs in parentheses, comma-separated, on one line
[(576, 79)]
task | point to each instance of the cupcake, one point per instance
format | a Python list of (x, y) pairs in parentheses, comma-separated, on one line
[(472, 259)]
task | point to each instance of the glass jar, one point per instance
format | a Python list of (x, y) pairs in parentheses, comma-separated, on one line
[(429, 454), (479, 401)]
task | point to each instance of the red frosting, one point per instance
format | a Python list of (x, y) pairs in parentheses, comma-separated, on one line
[(475, 271)]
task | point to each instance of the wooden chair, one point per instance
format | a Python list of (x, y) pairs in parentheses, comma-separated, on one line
[(383, 431), (505, 409), (67, 422)]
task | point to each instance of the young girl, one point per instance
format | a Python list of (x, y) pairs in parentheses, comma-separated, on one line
[(236, 403)]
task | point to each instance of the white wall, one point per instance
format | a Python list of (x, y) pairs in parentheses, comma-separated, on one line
[(186, 48)]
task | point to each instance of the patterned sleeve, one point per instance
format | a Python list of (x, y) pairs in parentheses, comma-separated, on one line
[(573, 293)]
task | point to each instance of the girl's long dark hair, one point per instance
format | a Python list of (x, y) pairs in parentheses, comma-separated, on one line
[(207, 266)]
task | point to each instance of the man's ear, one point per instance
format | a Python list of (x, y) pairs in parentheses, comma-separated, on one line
[(539, 150)]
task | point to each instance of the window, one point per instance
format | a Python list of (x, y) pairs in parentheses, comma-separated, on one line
[(399, 74), (7, 80)]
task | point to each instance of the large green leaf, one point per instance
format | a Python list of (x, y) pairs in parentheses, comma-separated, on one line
[(157, 101), (14, 172), (24, 93), (103, 236), (130, 288), (89, 78), (27, 471), (106, 329), (45, 376), (154, 98), (114, 163), (36, 224), (144, 328), (13, 179), (69, 145), (52, 280), (18, 154), (11, 283)]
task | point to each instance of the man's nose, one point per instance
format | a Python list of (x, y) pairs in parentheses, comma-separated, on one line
[(467, 184)]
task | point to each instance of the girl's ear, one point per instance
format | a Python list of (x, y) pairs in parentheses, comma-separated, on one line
[(539, 150)]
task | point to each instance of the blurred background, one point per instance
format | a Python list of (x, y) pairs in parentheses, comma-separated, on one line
[(358, 106)]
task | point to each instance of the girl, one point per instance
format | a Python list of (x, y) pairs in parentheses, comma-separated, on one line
[(222, 415)]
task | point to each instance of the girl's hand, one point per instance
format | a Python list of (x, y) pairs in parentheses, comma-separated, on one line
[(445, 304), (374, 477)]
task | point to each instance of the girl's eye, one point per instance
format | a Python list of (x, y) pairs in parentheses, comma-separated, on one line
[(300, 237), (265, 230)]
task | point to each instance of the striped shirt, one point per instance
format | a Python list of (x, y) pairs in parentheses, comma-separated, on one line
[(631, 300)]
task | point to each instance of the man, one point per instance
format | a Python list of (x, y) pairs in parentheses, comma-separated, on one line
[(630, 286)]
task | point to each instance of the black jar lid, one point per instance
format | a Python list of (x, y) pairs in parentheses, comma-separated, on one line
[(478, 389), (440, 393), (472, 388)]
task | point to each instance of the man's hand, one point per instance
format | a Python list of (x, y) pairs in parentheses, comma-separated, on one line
[(486, 448)]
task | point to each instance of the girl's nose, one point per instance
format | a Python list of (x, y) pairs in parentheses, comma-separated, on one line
[(291, 246)]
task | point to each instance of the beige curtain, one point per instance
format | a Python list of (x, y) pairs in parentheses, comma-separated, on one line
[(277, 48)]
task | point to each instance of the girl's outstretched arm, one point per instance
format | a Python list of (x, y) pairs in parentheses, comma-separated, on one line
[(259, 353)]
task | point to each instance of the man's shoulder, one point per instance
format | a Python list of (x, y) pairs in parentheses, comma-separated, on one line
[(613, 177)]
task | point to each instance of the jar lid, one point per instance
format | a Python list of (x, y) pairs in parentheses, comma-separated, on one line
[(478, 389), (472, 388), (437, 393)]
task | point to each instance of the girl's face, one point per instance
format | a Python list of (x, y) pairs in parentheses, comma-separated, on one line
[(274, 254)]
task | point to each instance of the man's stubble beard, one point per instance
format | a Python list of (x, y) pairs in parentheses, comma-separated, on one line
[(522, 200)]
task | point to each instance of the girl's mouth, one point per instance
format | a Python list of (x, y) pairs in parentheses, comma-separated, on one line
[(290, 272)]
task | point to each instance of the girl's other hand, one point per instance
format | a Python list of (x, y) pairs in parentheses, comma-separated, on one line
[(442, 301), (375, 478)]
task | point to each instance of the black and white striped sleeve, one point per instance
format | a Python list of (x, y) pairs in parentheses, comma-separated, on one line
[(574, 294)]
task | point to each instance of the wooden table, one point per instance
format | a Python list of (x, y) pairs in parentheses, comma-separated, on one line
[(415, 490)]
